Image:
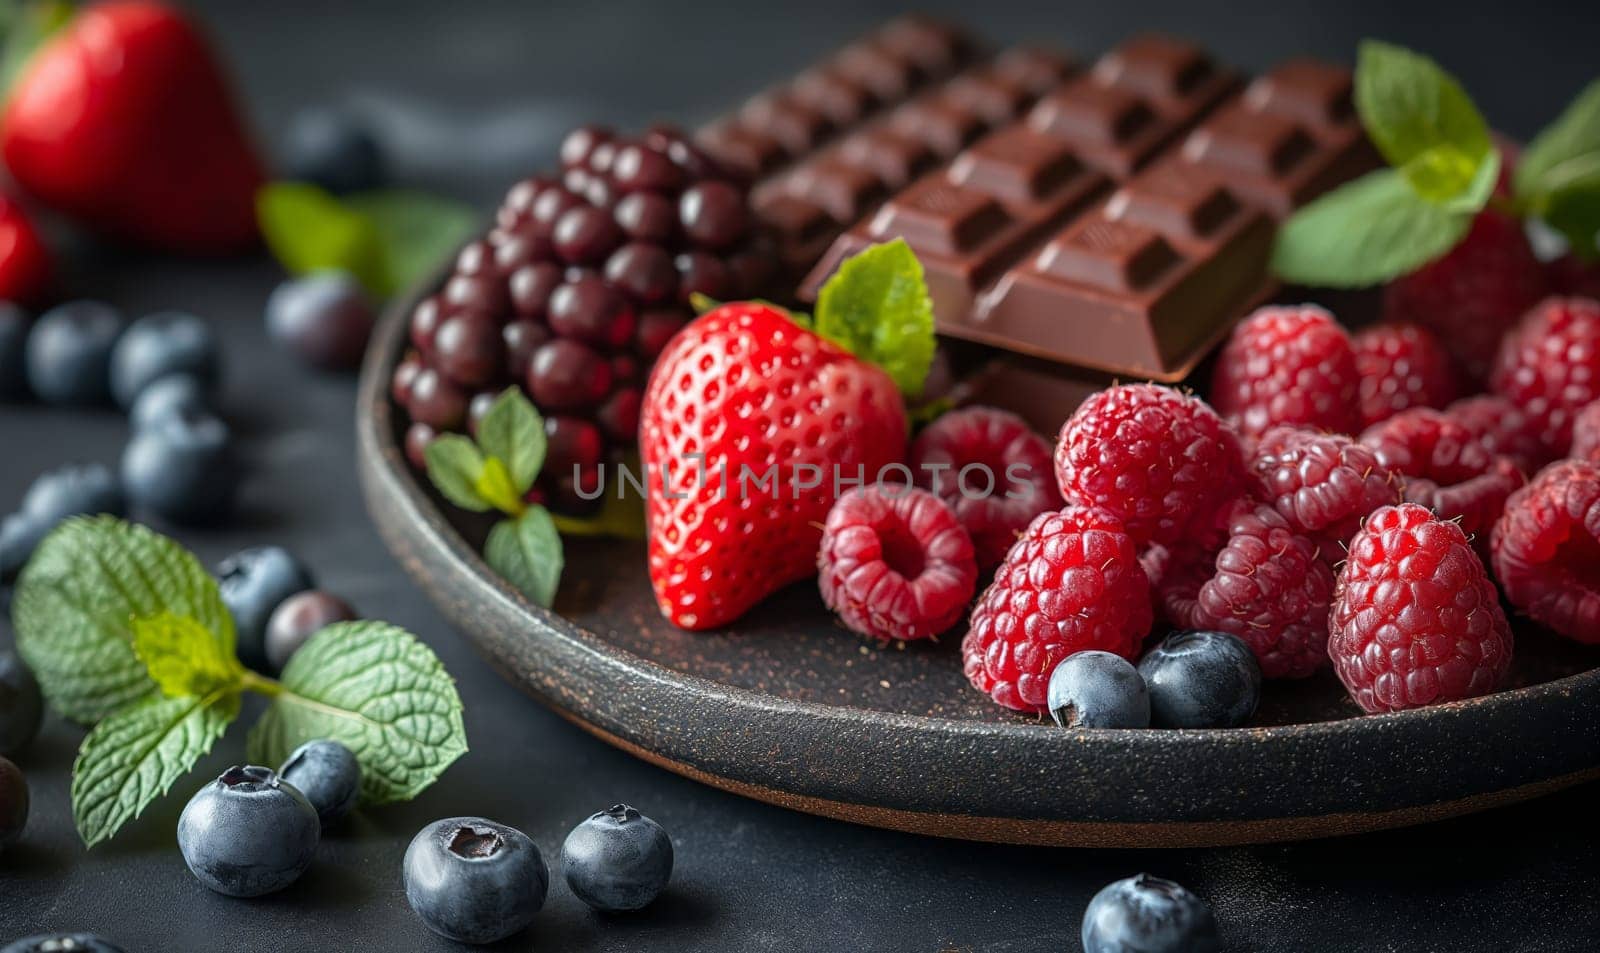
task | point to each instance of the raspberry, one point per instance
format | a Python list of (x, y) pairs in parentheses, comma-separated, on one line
[(1401, 366), (896, 564), (1288, 366), (1072, 582), (1502, 429), (1546, 549), (1268, 585), (1474, 293), (1160, 460), (1011, 482), (1549, 365), (1586, 433), (1416, 620), (1322, 484), (1446, 468)]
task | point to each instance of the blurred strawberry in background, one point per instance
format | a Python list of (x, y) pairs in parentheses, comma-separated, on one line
[(25, 269), (123, 120)]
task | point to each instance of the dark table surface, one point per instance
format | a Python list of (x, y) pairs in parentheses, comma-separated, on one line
[(475, 93)]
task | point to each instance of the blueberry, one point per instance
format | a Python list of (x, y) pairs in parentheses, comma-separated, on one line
[(328, 775), (13, 803), (21, 705), (71, 490), (1146, 914), (473, 880), (69, 353), (617, 860), (19, 536), (14, 323), (331, 148), (323, 318), (153, 347), (1098, 690), (297, 619), (183, 468), (248, 833), (61, 943), (172, 394), (254, 582), (1201, 680)]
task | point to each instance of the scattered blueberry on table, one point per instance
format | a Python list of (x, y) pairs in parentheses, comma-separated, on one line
[(1097, 689), (323, 318), (14, 325), (297, 619), (69, 353), (182, 468), (165, 397), (254, 582), (248, 833), (473, 880), (21, 705), (328, 774), (1201, 680), (160, 345), (331, 147), (62, 943), (55, 495), (13, 803), (1145, 914), (618, 860)]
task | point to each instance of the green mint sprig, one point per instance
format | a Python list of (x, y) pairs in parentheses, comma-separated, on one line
[(1443, 170), (387, 240), (495, 472), (126, 630), (876, 306)]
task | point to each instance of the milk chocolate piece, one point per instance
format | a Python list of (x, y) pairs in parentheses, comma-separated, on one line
[(1100, 232)]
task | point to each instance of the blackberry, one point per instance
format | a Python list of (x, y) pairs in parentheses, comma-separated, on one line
[(578, 285)]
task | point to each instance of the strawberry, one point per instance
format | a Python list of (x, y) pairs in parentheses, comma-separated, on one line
[(740, 394), (25, 268), (1473, 294), (124, 120)]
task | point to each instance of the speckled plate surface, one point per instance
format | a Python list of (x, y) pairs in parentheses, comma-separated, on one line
[(789, 708)]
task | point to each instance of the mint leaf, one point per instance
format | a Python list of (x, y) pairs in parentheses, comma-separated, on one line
[(133, 757), (415, 231), (1575, 213), (1558, 177), (1567, 151), (309, 230), (494, 487), (527, 552), (380, 692), (1421, 119), (76, 601), (26, 27), (876, 306), (1365, 233), (182, 657), (513, 432), (455, 465)]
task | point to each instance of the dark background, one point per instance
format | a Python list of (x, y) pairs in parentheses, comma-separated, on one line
[(475, 93)]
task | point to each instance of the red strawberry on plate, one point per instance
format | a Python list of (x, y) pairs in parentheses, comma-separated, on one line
[(124, 120), (755, 421), (25, 269), (747, 387)]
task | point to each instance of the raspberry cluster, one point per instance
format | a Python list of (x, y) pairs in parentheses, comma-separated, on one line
[(574, 292)]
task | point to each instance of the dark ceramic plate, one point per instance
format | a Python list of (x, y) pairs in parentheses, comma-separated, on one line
[(791, 709)]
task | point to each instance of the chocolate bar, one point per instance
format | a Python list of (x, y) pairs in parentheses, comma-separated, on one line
[(832, 144), (1128, 219)]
